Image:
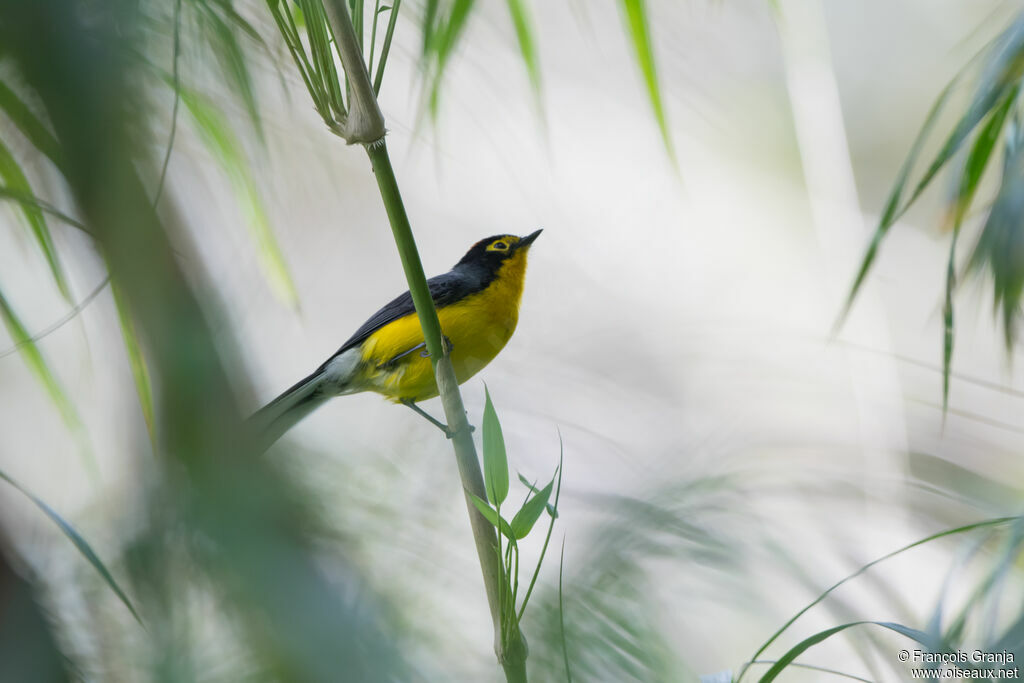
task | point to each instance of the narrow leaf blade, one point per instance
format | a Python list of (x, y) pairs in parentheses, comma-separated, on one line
[(34, 130), (807, 643), (526, 482), (35, 361), (15, 179), (222, 142), (140, 372), (531, 511), (79, 542), (527, 46), (495, 458), (639, 33), (491, 515)]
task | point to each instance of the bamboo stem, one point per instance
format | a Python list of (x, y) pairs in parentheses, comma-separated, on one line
[(365, 122)]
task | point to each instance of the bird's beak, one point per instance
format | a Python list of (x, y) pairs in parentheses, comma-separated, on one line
[(528, 240)]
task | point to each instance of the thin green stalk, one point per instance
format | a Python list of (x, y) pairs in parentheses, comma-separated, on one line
[(511, 655), (373, 37), (386, 47), (365, 125)]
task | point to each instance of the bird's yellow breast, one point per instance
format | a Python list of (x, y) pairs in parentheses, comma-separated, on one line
[(478, 327)]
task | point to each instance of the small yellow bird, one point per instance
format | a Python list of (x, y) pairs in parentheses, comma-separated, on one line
[(478, 307)]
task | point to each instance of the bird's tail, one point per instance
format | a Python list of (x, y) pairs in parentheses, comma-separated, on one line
[(271, 421)]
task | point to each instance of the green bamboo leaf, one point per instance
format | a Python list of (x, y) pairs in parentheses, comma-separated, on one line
[(34, 130), (241, 22), (531, 511), (15, 179), (322, 50), (491, 515), (33, 358), (298, 17), (639, 32), (233, 62), (526, 482), (79, 542), (37, 203), (495, 458), (553, 512), (914, 634), (988, 523), (527, 47), (220, 139), (999, 246), (999, 82), (894, 205), (947, 323), (137, 362), (977, 160), (429, 24), (441, 40), (966, 187), (386, 47)]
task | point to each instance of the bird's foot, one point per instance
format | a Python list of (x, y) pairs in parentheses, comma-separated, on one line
[(448, 431)]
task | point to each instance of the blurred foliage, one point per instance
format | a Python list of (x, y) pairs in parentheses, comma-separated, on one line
[(992, 116), (937, 637), (228, 568), (608, 606), (243, 522)]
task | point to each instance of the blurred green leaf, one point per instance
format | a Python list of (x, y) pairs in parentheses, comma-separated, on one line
[(221, 140), (495, 459), (640, 34), (79, 542), (999, 81), (947, 323), (927, 539), (238, 21), (440, 40), (784, 661), (60, 322), (33, 358), (289, 30), (527, 47), (531, 511), (894, 206), (561, 616), (966, 187), (1000, 247), (15, 179), (220, 35), (143, 384), (37, 203), (34, 130), (977, 160), (491, 515)]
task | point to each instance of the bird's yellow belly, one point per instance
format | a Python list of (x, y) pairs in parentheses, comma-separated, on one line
[(478, 327)]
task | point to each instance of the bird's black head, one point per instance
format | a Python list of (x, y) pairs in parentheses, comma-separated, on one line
[(488, 255)]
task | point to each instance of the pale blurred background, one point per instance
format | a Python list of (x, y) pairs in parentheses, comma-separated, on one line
[(677, 327)]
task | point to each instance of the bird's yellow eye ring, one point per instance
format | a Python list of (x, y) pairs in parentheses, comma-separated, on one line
[(500, 245)]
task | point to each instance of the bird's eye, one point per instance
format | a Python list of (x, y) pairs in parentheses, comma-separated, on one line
[(500, 246)]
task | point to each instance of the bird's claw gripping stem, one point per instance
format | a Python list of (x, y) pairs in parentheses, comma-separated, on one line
[(448, 432)]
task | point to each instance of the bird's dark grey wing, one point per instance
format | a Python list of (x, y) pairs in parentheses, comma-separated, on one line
[(444, 289)]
